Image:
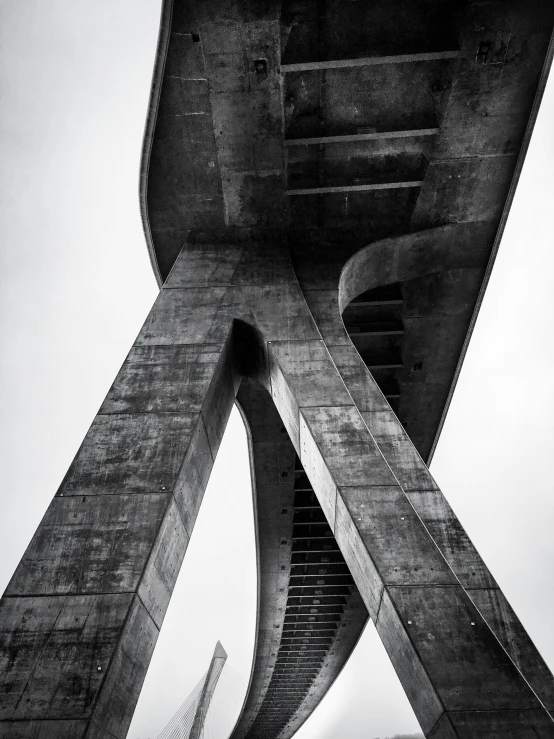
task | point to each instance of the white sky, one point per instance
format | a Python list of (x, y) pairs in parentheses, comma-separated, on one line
[(76, 285)]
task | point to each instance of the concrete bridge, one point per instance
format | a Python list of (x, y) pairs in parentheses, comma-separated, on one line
[(324, 187)]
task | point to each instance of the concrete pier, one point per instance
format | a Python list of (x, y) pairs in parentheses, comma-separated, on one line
[(83, 610), (324, 188)]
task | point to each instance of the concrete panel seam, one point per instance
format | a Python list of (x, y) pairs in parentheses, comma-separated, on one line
[(114, 652), (324, 405), (72, 594), (207, 438), (419, 586), (39, 655), (147, 559), (146, 609), (140, 413), (178, 508), (379, 604), (175, 343), (412, 491), (109, 733), (200, 286), (415, 651), (91, 496), (295, 341), (188, 79), (440, 718)]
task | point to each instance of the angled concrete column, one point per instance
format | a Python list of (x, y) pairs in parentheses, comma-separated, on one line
[(80, 617), (459, 678), (427, 499)]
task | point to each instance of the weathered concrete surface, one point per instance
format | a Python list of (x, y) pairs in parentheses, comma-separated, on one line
[(81, 615), (409, 469), (93, 586), (444, 652), (70, 658), (447, 107), (314, 162)]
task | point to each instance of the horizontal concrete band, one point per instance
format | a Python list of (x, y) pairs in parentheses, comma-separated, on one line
[(349, 138), (370, 61)]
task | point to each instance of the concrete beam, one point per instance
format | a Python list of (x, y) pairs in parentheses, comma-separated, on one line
[(369, 61), (390, 365), (81, 615), (376, 136), (378, 332), (353, 188)]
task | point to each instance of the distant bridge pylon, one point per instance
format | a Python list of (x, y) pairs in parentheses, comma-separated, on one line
[(190, 719)]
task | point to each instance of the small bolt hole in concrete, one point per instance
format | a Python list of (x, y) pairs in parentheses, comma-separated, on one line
[(260, 67)]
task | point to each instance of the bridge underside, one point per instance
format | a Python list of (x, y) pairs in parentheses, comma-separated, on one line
[(343, 124), (324, 186), (310, 613)]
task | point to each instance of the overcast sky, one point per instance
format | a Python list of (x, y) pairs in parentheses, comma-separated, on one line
[(76, 285)]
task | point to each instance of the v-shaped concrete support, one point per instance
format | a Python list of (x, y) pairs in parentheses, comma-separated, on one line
[(80, 617)]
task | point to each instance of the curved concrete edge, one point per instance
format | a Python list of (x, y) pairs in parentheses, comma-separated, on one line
[(272, 583), (389, 260), (500, 232), (258, 577), (150, 126), (267, 638), (331, 672)]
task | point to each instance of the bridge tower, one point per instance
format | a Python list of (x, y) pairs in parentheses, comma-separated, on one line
[(216, 666), (189, 721), (324, 188)]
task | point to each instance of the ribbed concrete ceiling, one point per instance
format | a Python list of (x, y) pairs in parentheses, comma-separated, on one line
[(342, 123)]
